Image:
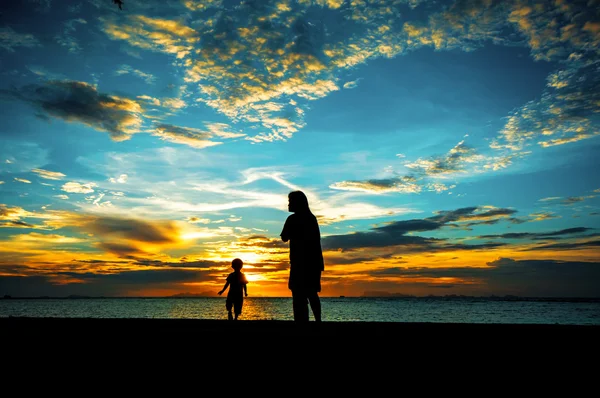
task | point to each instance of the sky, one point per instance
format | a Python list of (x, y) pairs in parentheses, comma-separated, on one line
[(446, 147)]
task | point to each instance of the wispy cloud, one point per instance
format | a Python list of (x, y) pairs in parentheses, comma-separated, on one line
[(191, 136), (9, 39), (67, 38), (127, 69), (402, 232), (352, 84), (571, 200), (461, 159), (453, 162), (121, 179), (537, 235), (405, 184), (49, 175)]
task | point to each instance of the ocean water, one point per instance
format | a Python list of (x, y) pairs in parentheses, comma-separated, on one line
[(346, 309)]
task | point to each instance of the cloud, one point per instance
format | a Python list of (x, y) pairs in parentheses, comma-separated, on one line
[(44, 74), (75, 187), (185, 135), (505, 276), (536, 235), (459, 160), (544, 278), (127, 236), (134, 283), (173, 103), (453, 162), (122, 179), (193, 137), (397, 232), (296, 59), (22, 180), (67, 39), (124, 250), (49, 175), (541, 216), (567, 109), (406, 184), (124, 236), (15, 217), (126, 69), (156, 34), (65, 197), (260, 93), (130, 229), (220, 195), (352, 84), (53, 239), (568, 201), (571, 245), (194, 220), (9, 39), (74, 101)]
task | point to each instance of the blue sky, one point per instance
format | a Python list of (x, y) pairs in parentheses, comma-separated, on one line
[(446, 147)]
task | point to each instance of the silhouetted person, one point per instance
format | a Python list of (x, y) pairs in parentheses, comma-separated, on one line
[(120, 3), (306, 257), (236, 281)]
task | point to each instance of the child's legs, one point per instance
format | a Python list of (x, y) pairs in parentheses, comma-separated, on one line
[(229, 306), (237, 306)]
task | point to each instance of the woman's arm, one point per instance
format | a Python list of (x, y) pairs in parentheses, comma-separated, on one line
[(285, 233)]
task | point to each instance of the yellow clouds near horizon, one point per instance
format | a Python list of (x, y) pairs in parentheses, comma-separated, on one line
[(102, 244), (111, 232)]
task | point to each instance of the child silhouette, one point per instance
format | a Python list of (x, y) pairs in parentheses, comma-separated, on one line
[(236, 281)]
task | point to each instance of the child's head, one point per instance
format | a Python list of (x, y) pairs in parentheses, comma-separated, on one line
[(237, 264)]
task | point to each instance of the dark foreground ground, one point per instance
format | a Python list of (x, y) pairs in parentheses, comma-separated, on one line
[(81, 340), (86, 356), (208, 328), (374, 333)]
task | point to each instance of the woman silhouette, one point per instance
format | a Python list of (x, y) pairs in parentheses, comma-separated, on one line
[(301, 229)]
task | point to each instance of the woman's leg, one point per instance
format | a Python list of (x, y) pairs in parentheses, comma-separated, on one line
[(315, 305), (299, 306)]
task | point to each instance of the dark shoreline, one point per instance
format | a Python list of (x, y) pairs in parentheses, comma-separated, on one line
[(19, 325), (87, 340)]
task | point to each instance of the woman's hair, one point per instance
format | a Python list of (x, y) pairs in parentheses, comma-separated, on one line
[(237, 264), (300, 200)]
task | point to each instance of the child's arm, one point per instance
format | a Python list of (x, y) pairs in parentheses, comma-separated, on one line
[(246, 289), (224, 288)]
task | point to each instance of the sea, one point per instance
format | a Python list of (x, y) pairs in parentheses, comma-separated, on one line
[(494, 310)]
